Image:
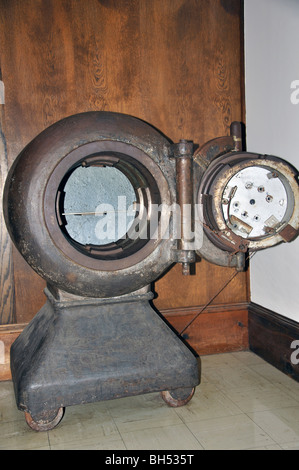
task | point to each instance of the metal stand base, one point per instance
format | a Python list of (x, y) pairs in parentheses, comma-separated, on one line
[(78, 350)]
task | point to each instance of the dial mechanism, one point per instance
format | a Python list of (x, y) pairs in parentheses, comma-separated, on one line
[(255, 202)]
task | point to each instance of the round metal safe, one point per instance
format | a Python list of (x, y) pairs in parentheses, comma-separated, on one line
[(38, 220), (96, 336)]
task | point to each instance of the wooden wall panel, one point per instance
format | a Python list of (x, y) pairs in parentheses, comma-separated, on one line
[(174, 63), (177, 291), (218, 329), (7, 305)]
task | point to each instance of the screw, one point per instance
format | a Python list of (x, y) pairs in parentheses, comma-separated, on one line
[(185, 269)]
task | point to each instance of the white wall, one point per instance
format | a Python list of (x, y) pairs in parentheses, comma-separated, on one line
[(272, 122)]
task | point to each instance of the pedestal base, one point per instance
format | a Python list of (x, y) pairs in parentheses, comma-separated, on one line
[(86, 350)]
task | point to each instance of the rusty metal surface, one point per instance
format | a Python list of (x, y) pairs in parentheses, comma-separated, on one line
[(234, 163), (183, 153), (236, 134), (212, 149), (217, 162), (46, 421), (219, 146), (32, 213), (179, 397), (289, 233), (74, 352), (211, 190), (211, 249)]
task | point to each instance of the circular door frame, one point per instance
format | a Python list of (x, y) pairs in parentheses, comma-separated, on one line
[(216, 178), (30, 202)]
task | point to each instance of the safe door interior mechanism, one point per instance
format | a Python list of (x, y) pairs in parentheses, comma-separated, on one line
[(100, 204)]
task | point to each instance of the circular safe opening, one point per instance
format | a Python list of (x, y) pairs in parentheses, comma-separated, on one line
[(104, 200), (99, 205), (249, 201)]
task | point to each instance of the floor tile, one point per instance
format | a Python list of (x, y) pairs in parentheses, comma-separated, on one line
[(270, 447), (207, 403), (290, 446), (237, 432), (260, 398), (86, 426), (281, 381), (17, 435), (177, 437), (272, 374), (248, 358), (8, 409), (142, 412), (216, 360), (233, 377), (281, 424)]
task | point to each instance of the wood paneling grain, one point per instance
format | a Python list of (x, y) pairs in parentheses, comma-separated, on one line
[(218, 329), (175, 290), (174, 63), (7, 305)]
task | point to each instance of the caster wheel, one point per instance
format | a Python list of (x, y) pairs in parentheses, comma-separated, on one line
[(178, 397), (47, 421)]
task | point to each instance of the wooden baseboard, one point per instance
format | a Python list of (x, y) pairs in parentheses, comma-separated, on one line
[(272, 337), (218, 329), (8, 334)]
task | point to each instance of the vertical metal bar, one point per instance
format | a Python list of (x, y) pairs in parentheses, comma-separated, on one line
[(236, 133), (184, 161)]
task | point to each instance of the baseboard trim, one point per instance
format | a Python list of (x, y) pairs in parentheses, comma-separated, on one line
[(8, 334), (213, 308), (218, 329), (271, 336)]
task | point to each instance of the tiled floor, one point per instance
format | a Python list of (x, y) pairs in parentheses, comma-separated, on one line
[(242, 403)]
